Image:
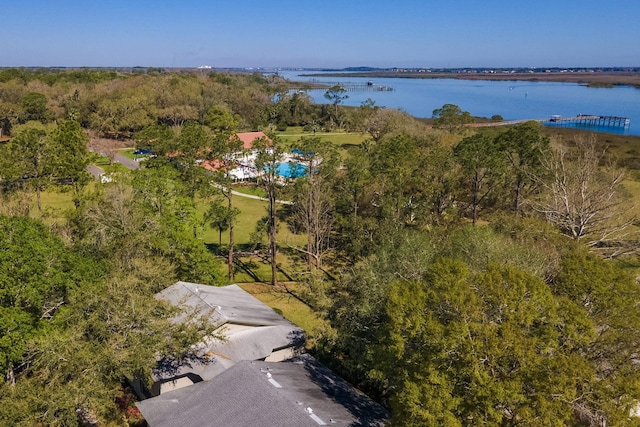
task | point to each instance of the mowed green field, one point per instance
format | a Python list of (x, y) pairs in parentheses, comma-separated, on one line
[(339, 139), (253, 268), (251, 212)]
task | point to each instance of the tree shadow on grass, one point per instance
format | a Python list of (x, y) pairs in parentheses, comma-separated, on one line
[(248, 265)]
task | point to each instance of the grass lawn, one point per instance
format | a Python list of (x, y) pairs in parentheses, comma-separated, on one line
[(633, 188), (128, 153), (251, 189), (55, 200), (115, 168), (251, 211), (100, 160), (255, 268), (56, 203), (339, 138)]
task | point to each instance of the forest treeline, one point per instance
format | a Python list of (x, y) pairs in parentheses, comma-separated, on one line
[(117, 105), (467, 276)]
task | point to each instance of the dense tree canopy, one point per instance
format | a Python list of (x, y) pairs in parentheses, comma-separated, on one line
[(34, 107), (447, 339), (77, 321), (37, 274), (116, 105)]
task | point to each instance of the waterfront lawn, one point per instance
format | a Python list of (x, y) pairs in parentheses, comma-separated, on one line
[(339, 138)]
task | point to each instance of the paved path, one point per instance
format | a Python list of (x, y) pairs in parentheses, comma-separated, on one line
[(252, 196), (264, 199), (126, 162), (96, 171)]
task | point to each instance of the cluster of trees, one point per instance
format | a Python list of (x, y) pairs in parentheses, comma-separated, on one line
[(516, 323), (469, 327), (40, 156), (77, 308), (78, 316), (458, 269), (118, 105)]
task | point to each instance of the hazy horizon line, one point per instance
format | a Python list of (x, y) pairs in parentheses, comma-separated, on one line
[(354, 68)]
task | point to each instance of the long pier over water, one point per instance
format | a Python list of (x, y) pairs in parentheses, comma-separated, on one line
[(348, 86), (590, 120), (580, 119)]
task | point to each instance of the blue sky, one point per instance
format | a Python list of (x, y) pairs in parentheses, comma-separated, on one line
[(329, 33)]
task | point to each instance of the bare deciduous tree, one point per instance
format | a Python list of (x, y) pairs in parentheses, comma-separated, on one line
[(313, 205), (584, 198), (107, 147)]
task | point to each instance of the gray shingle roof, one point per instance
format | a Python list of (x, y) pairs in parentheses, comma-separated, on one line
[(239, 390), (228, 305), (266, 394), (223, 304)]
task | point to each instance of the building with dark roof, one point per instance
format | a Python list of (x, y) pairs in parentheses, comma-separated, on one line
[(297, 393), (254, 376), (246, 329)]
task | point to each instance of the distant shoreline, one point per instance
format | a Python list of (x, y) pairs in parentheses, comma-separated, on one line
[(592, 79)]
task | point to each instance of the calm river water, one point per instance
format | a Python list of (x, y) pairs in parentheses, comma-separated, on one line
[(512, 100)]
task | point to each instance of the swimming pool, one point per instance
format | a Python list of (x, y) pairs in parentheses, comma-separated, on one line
[(291, 170)]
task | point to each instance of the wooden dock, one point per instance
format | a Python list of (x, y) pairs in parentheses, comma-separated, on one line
[(347, 86), (366, 87), (580, 119), (590, 120)]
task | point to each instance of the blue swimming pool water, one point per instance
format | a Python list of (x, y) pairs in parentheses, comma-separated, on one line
[(291, 170)]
